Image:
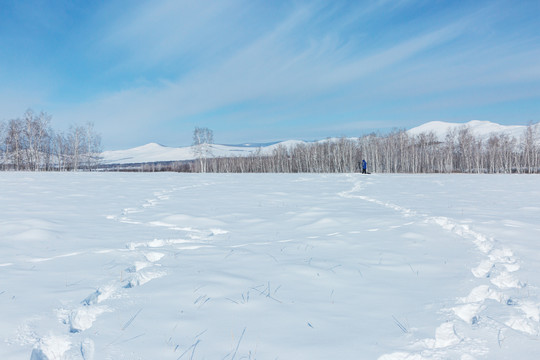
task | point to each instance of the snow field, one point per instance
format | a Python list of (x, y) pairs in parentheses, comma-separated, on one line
[(179, 266)]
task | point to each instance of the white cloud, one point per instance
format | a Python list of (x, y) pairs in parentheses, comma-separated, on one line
[(297, 63)]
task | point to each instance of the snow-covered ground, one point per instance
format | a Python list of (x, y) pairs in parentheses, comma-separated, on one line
[(269, 266)]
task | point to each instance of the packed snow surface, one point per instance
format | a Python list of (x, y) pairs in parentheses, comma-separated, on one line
[(269, 266)]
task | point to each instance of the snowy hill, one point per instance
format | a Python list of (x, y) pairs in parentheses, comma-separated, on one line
[(158, 153), (479, 128), (155, 153)]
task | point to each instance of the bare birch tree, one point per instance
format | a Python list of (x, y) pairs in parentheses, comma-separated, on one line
[(31, 144), (203, 138)]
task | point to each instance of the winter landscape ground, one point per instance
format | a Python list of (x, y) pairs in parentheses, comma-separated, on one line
[(269, 266)]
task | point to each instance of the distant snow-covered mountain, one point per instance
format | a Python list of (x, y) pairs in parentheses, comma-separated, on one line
[(478, 128), (153, 152), (158, 153)]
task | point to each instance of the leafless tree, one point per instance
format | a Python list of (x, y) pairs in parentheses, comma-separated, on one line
[(203, 138), (31, 144), (3, 148), (530, 148), (36, 132), (397, 151)]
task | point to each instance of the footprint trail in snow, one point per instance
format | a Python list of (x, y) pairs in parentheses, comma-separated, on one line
[(498, 271), (146, 268)]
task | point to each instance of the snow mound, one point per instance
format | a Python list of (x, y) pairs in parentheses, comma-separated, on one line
[(154, 256), (141, 278), (51, 348), (139, 265), (84, 317), (445, 336), (99, 295)]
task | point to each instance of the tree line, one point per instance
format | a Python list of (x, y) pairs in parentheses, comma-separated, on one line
[(30, 143), (397, 152)]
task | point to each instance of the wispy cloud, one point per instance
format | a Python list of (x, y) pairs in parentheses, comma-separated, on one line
[(277, 65), (162, 32), (164, 66)]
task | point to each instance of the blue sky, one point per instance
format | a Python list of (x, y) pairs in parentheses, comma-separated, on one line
[(258, 71)]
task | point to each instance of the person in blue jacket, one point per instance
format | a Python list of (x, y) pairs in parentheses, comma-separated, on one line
[(364, 166)]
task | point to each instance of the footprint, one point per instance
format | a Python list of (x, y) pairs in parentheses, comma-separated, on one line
[(469, 312), (83, 318), (139, 265), (101, 294), (446, 336), (503, 256), (482, 293), (218, 232), (156, 243), (473, 304), (154, 256), (51, 348), (505, 280), (483, 269), (141, 278)]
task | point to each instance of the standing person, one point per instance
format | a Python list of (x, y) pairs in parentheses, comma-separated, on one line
[(364, 166)]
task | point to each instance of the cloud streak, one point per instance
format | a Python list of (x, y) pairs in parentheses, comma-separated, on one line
[(244, 66)]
